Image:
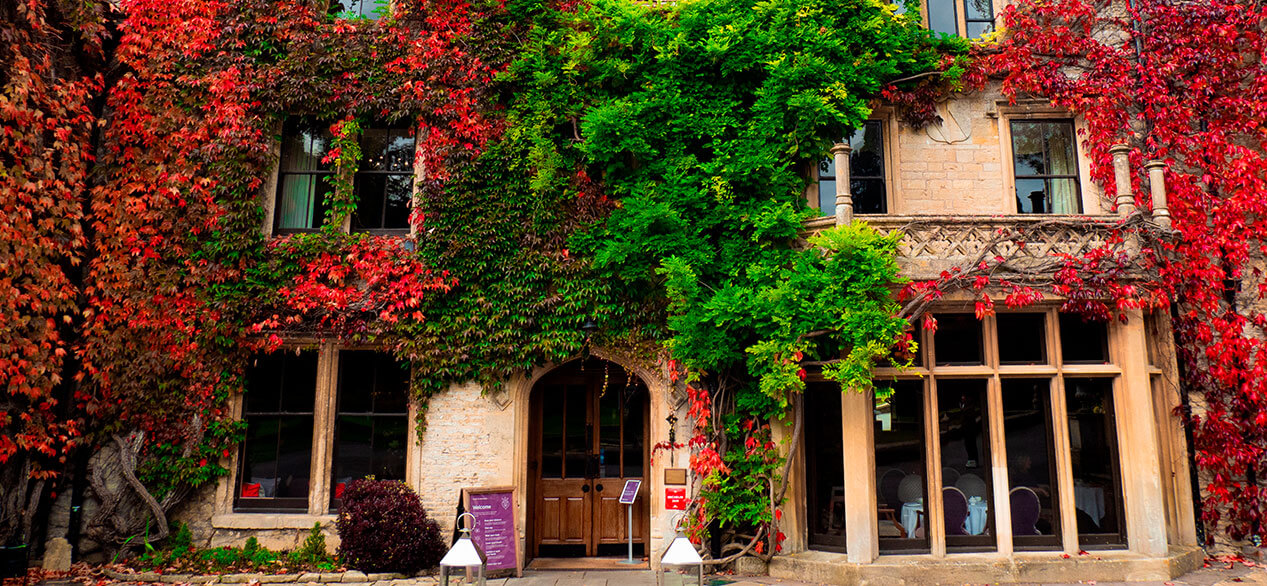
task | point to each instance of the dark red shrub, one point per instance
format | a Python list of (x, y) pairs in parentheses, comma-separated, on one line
[(383, 528)]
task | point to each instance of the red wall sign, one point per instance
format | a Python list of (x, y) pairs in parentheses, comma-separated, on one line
[(675, 499)]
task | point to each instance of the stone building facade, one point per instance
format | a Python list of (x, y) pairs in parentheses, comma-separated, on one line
[(1028, 446)]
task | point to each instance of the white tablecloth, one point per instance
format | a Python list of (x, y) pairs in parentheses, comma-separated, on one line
[(978, 516), (1090, 500), (910, 517)]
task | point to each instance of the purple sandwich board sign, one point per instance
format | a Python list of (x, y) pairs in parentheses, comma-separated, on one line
[(494, 532)]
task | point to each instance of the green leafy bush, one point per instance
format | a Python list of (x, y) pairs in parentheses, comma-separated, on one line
[(179, 555)]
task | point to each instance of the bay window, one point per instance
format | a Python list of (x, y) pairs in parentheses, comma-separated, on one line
[(1001, 423)]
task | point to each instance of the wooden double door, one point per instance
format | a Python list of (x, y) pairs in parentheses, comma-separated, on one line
[(589, 430)]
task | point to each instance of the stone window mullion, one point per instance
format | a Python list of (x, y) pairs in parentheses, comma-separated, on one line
[(323, 429)]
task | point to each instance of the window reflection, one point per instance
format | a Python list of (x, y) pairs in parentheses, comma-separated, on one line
[(958, 340), (1093, 455), (1045, 167), (277, 451), (965, 463), (899, 466), (866, 173), (824, 466), (1083, 341), (384, 181), (371, 424), (1031, 462)]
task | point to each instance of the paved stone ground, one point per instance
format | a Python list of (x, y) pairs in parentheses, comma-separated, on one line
[(1218, 574)]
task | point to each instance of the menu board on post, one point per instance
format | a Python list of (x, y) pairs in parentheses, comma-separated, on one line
[(495, 531)]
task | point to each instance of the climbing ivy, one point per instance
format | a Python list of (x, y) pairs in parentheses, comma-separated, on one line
[(641, 167)]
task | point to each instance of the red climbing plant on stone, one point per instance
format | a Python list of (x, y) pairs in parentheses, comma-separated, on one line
[(1178, 83)]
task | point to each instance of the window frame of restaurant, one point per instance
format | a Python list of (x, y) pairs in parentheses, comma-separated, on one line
[(925, 374), (886, 121), (1090, 196), (961, 19), (320, 500), (271, 191)]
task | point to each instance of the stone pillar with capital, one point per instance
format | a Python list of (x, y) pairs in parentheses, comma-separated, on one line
[(1122, 176), (1157, 182), (844, 199)]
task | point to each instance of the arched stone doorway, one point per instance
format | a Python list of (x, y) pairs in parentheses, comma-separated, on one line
[(588, 431)]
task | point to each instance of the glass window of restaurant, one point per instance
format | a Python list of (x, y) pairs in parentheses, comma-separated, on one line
[(975, 425)]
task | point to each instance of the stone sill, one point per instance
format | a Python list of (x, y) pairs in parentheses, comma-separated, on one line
[(992, 567), (270, 521)]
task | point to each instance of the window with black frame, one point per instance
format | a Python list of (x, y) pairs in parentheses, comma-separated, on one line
[(372, 419), (384, 181), (901, 485), (1045, 167), (967, 493), (371, 9), (1031, 463), (866, 173), (1093, 454), (304, 180), (978, 17), (824, 467), (277, 453)]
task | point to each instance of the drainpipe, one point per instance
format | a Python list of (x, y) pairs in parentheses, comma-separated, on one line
[(844, 200), (1122, 176), (1157, 182)]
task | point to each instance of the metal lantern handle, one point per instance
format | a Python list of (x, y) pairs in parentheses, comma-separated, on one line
[(470, 526)]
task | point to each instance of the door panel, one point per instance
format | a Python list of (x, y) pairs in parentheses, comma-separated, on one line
[(565, 514)]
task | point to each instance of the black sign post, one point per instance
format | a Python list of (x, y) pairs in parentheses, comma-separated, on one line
[(627, 497)]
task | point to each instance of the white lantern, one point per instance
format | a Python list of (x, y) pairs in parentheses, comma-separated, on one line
[(465, 563), (680, 564)]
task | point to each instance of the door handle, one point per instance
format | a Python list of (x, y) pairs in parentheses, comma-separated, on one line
[(598, 487), (585, 488)]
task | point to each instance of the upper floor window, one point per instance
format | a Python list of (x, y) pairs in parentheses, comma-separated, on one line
[(1045, 167), (966, 18), (304, 186), (385, 180), (382, 187), (866, 173), (371, 9)]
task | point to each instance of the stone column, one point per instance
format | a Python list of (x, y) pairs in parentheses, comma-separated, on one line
[(1122, 176), (861, 516), (844, 199), (1138, 445), (1157, 183)]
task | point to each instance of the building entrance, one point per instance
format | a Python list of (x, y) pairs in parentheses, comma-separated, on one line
[(588, 432)]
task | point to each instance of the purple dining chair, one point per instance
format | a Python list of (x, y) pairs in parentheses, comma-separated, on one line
[(955, 506), (1025, 511)]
